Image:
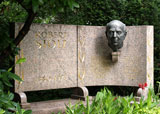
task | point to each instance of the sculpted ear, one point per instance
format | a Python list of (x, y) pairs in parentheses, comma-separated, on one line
[(125, 33)]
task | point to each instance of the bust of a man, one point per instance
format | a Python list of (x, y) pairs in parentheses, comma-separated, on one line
[(116, 33)]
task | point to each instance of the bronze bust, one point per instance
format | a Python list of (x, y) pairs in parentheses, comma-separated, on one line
[(116, 33)]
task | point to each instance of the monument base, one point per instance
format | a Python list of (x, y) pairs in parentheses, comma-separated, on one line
[(48, 107)]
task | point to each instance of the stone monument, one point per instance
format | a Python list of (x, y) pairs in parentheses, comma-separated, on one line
[(67, 56)]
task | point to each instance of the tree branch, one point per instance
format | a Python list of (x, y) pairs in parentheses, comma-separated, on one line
[(25, 29)]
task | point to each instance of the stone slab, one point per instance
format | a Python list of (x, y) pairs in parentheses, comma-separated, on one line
[(63, 56), (135, 64), (51, 54), (48, 107)]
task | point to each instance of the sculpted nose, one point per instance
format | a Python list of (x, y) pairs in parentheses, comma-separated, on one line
[(114, 34)]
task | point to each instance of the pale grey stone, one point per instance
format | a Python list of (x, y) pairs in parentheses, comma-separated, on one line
[(134, 65), (51, 53), (64, 56)]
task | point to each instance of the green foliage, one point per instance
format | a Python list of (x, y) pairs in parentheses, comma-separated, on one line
[(106, 103), (57, 5), (47, 9), (6, 98), (21, 60), (12, 12), (9, 13), (131, 12), (6, 76), (2, 111)]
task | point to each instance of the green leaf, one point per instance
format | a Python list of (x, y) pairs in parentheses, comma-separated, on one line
[(9, 69), (99, 96), (1, 75), (6, 82), (1, 85), (3, 100), (14, 76), (19, 109), (5, 79), (41, 2), (70, 3), (11, 96), (26, 1), (21, 60), (28, 112), (35, 5), (2, 70), (88, 105), (61, 9), (2, 111), (75, 4), (69, 110)]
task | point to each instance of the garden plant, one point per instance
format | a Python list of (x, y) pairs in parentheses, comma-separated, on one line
[(106, 103)]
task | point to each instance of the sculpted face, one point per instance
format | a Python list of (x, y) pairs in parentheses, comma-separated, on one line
[(116, 33)]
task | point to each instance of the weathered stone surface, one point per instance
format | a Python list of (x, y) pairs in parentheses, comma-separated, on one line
[(53, 106), (51, 53), (134, 65), (62, 56)]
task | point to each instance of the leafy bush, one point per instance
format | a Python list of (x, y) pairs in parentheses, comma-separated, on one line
[(106, 103), (7, 105)]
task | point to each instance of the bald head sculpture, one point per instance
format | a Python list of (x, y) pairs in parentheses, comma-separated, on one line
[(116, 33)]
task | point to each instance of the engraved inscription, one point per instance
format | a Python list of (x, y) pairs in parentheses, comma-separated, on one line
[(50, 34), (49, 39), (52, 79)]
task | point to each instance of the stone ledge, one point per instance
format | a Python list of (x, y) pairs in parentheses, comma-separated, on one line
[(48, 107)]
